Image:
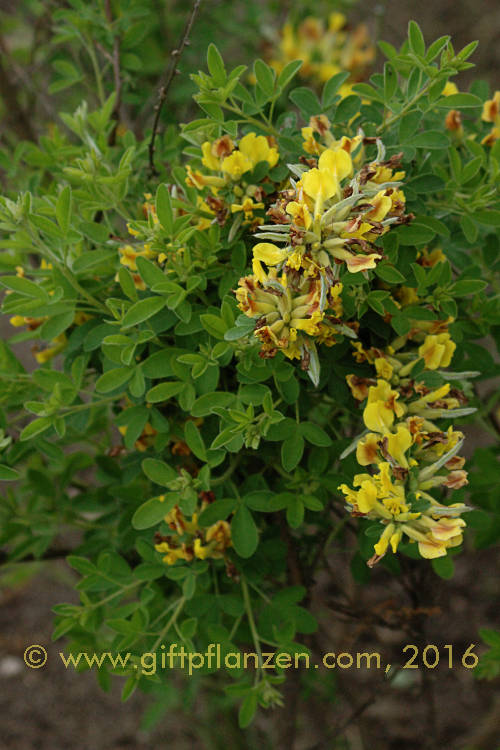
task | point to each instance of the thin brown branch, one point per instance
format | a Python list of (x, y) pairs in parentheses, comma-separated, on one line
[(175, 56)]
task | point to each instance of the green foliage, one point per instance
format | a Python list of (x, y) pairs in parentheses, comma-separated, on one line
[(147, 395)]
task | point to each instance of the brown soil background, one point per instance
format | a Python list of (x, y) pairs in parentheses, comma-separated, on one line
[(56, 709)]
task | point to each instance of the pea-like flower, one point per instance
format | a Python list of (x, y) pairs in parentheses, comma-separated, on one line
[(410, 455)]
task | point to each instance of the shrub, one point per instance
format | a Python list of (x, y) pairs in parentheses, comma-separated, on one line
[(241, 347)]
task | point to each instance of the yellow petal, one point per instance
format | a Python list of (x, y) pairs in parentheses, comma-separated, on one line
[(268, 253)]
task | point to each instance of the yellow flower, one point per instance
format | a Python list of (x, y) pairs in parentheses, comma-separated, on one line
[(209, 160), (310, 144), (361, 262), (447, 528), (491, 109), (431, 548), (492, 136), (366, 496), (358, 386), (236, 165), (129, 255), (398, 444), (383, 543), (336, 21), (382, 204), (248, 207), (269, 254), (437, 350), (367, 449), (199, 181), (300, 213), (382, 405), (308, 325), (256, 148), (449, 89), (337, 161), (219, 536), (384, 368), (320, 185), (58, 345), (407, 295)]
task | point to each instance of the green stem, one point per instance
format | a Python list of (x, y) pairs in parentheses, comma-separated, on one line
[(89, 46), (169, 624), (408, 106), (252, 120), (229, 471), (251, 621)]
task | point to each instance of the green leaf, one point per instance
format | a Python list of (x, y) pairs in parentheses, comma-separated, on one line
[(291, 451), (295, 512), (24, 286), (224, 437), (315, 434), (36, 427), (430, 139), (63, 209), (46, 226), (414, 234), (460, 101), (490, 218), (426, 183), (416, 39), (7, 474), (468, 227), (113, 379), (215, 65), (436, 47), (214, 325), (288, 72), (444, 567), (204, 405), (98, 233), (368, 92), (164, 209), (467, 286), (164, 391), (390, 81), (265, 77), (217, 511), (142, 310), (158, 471), (265, 501), (389, 273), (408, 125), (244, 532), (152, 512), (331, 87), (194, 440), (150, 273), (127, 283), (306, 101), (247, 710)]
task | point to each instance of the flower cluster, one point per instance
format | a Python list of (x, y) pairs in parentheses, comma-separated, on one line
[(188, 540), (409, 454), (326, 49), (326, 221), (491, 114), (228, 184)]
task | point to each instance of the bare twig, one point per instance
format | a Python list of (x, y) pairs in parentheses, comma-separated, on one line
[(175, 56), (115, 61)]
